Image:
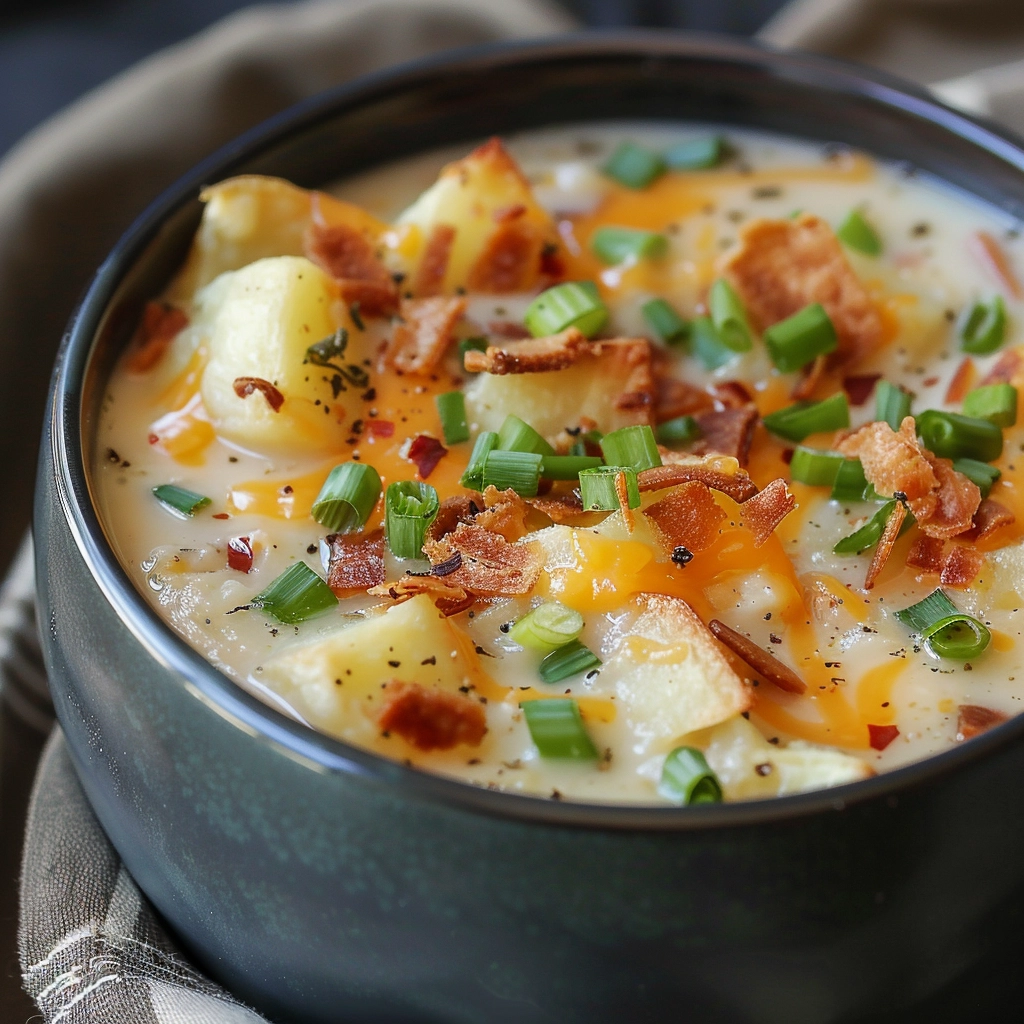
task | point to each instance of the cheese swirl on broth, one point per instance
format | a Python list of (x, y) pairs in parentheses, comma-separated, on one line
[(647, 465)]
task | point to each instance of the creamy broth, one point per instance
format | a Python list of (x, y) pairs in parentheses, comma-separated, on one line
[(792, 596)]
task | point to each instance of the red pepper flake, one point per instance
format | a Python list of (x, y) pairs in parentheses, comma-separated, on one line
[(858, 387), (880, 736), (245, 386), (962, 382), (240, 554), (426, 452), (221, 515), (153, 439), (380, 428)]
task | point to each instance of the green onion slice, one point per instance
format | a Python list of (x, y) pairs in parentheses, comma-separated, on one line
[(597, 488), (547, 627), (347, 497), (706, 346), (892, 403), (799, 421), (981, 473), (668, 326), (870, 533), (696, 154), (851, 484), (946, 631), (180, 500), (556, 727), (409, 508), (686, 778), (798, 340), (633, 166), (451, 407), (815, 467), (678, 431), (572, 304), (518, 470), (635, 447), (729, 317), (858, 234), (566, 467), (518, 436), (617, 245), (994, 402), (952, 436), (296, 595), (982, 326), (473, 478), (568, 661)]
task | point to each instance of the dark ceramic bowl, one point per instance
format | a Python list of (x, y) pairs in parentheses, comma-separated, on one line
[(322, 883)]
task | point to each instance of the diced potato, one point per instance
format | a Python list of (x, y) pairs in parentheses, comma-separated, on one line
[(1007, 575), (336, 682), (261, 320)]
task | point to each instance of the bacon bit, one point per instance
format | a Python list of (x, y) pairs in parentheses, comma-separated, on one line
[(449, 599), (551, 264), (562, 509), (426, 452), (859, 386), (356, 561), (995, 260), (380, 428), (505, 513), (347, 256), (927, 553), (739, 487), (763, 512), (763, 663), (991, 516), (631, 363), (431, 719), (159, 327), (810, 378), (421, 340), (245, 386), (962, 382), (220, 515), (622, 494), (508, 329), (434, 264), (460, 508), (240, 554), (727, 432), (508, 262), (491, 566), (688, 517), (507, 213), (883, 550), (538, 355), (781, 266), (957, 498), (731, 394), (973, 719), (1007, 369), (674, 398), (880, 736), (961, 567)]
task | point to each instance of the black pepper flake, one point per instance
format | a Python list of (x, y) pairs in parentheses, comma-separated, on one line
[(774, 638), (432, 660), (681, 555), (506, 626), (774, 741), (766, 192), (311, 550), (394, 664)]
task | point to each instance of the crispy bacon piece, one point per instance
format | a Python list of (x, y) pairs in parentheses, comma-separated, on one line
[(505, 513), (631, 363), (622, 496), (509, 259), (927, 553), (880, 736), (434, 264), (508, 329), (957, 498), (687, 517), (961, 567), (380, 428), (763, 663), (449, 598), (562, 509), (538, 355), (810, 378), (885, 544), (420, 341), (240, 554), (160, 324), (990, 517), (674, 398), (432, 719), (1007, 368), (739, 487), (991, 254), (962, 382), (460, 508), (356, 561), (347, 256), (859, 386), (727, 432), (245, 386), (973, 719), (762, 512), (490, 564), (426, 452), (731, 394), (781, 266)]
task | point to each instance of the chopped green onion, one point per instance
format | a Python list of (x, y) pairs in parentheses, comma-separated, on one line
[(729, 317), (931, 609), (858, 234), (892, 403), (945, 631), (451, 407), (678, 431), (516, 435), (815, 467), (347, 497), (994, 402), (409, 508), (799, 421), (547, 627), (799, 339), (634, 167), (567, 661), (572, 304), (706, 345), (635, 447), (850, 483), (518, 470), (296, 595), (180, 500), (486, 442), (597, 488), (557, 729), (471, 345), (982, 326), (952, 436), (566, 467), (981, 473), (696, 154), (686, 778), (871, 532), (616, 245), (667, 324)]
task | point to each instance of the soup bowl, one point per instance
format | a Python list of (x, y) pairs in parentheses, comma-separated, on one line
[(321, 882)]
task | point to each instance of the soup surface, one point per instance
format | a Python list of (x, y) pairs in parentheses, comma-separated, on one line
[(648, 440)]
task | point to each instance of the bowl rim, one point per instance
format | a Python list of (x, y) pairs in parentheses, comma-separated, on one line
[(322, 753)]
